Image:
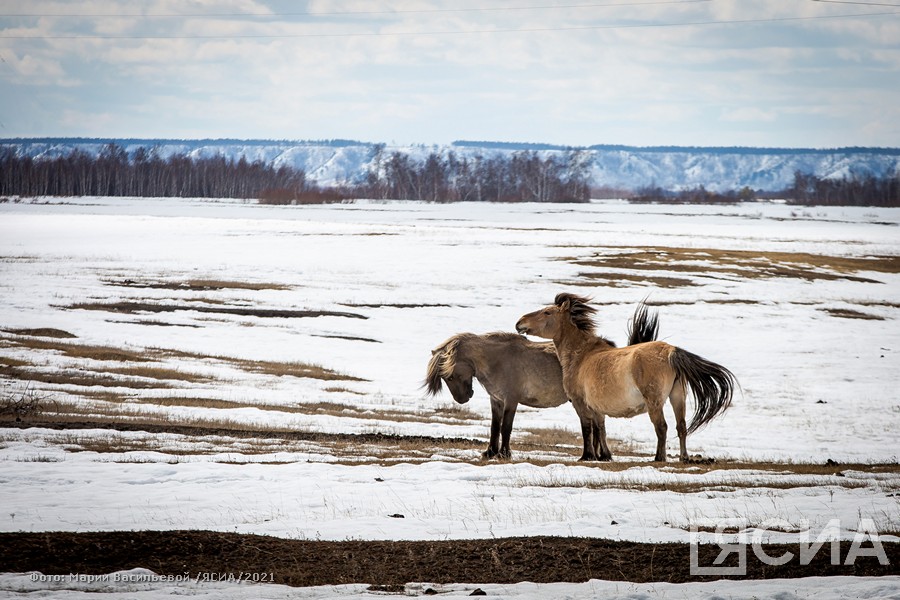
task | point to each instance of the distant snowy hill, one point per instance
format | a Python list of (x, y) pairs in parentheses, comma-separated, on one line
[(332, 162)]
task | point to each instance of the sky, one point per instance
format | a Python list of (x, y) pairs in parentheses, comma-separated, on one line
[(772, 73)]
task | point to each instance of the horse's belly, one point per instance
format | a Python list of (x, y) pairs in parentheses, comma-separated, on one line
[(545, 401), (628, 403), (546, 396), (628, 411)]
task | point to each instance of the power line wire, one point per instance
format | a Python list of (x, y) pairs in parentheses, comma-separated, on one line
[(858, 3), (444, 32), (347, 13)]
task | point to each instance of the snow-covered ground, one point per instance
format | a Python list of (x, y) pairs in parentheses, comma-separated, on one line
[(140, 584), (816, 385)]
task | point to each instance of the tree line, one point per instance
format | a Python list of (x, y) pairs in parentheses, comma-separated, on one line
[(523, 176), (114, 173), (807, 189), (856, 190)]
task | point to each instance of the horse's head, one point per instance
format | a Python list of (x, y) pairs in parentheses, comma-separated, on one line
[(549, 321), (445, 367)]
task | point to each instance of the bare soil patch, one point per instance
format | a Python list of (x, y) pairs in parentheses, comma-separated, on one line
[(383, 563)]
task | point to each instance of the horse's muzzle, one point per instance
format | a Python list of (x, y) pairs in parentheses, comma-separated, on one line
[(521, 328)]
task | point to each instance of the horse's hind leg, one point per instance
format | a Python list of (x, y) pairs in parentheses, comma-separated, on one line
[(659, 423), (678, 397)]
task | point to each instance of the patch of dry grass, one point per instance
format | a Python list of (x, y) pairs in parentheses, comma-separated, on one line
[(91, 378), (338, 389), (203, 285), (110, 404), (457, 412), (557, 439), (8, 361), (141, 307), (134, 364), (848, 313), (289, 369), (42, 332), (72, 350), (617, 280), (619, 264)]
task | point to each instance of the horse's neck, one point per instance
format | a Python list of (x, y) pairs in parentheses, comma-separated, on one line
[(475, 353), (572, 345)]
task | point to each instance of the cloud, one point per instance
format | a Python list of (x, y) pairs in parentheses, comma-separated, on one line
[(427, 72), (748, 114)]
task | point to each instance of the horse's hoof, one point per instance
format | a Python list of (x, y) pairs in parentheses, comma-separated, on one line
[(488, 455)]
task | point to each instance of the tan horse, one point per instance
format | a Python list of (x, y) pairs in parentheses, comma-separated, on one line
[(513, 371), (603, 380)]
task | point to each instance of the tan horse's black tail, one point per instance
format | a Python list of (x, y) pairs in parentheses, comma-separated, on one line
[(644, 326), (712, 385)]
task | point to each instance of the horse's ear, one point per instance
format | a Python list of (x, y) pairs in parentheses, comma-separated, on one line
[(563, 300), (433, 352), (569, 302)]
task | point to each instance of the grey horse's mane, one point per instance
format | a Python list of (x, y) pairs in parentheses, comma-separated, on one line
[(442, 363)]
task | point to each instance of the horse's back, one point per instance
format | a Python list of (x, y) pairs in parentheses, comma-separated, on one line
[(618, 381), (526, 370)]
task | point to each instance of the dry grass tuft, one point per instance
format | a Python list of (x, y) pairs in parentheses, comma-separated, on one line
[(848, 313), (337, 389), (456, 411)]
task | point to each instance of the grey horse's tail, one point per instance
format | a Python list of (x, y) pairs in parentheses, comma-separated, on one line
[(712, 385), (644, 325)]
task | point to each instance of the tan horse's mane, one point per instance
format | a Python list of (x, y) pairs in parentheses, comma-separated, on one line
[(580, 312)]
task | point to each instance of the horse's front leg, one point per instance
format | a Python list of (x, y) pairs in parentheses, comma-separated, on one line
[(509, 415), (602, 448), (493, 448)]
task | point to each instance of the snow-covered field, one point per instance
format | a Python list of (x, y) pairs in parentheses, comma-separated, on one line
[(801, 304)]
